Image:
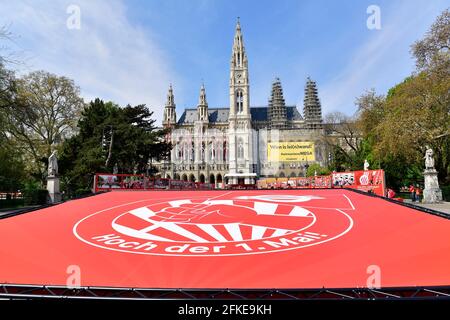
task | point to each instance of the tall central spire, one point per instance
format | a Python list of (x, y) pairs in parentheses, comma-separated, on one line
[(239, 83), (238, 58), (241, 164)]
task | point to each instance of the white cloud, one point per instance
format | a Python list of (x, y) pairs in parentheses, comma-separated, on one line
[(382, 61), (108, 57)]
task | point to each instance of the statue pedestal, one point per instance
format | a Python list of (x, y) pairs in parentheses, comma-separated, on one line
[(431, 193), (53, 189)]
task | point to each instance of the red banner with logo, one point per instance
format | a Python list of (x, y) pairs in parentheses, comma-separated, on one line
[(372, 181)]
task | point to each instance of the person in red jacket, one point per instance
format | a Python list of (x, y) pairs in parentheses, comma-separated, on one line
[(418, 193), (412, 192), (391, 193)]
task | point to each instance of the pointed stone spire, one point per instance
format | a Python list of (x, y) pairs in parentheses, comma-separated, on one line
[(170, 97), (277, 106), (202, 99), (241, 163), (170, 115), (239, 78), (238, 57), (312, 109), (202, 108)]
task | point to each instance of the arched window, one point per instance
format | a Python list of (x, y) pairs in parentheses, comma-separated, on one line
[(225, 151), (218, 153), (185, 151), (192, 152), (179, 151), (240, 149), (202, 157), (213, 151), (239, 101)]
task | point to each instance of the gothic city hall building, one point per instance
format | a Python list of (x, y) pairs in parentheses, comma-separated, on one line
[(239, 144)]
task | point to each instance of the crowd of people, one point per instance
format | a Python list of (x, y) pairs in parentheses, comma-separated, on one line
[(415, 192)]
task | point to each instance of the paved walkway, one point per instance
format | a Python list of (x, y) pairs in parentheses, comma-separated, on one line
[(442, 207), (6, 211)]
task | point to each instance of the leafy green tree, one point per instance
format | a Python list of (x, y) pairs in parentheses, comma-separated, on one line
[(417, 114), (316, 168), (12, 167), (108, 136), (414, 114), (8, 87), (42, 113), (432, 53), (371, 111)]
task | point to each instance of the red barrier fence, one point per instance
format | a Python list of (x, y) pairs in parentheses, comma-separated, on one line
[(368, 181), (108, 182)]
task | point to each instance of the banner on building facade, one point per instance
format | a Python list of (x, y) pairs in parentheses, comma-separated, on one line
[(290, 151)]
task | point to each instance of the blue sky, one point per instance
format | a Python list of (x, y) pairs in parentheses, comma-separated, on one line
[(129, 51)]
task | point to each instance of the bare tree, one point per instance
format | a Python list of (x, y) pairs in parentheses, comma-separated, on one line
[(7, 55), (433, 51), (7, 80), (342, 132)]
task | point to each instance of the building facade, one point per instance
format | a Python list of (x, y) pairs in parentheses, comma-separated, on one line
[(238, 144)]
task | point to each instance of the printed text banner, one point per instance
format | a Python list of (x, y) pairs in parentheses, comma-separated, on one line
[(290, 151)]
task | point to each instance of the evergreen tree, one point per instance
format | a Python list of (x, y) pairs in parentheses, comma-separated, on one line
[(108, 136)]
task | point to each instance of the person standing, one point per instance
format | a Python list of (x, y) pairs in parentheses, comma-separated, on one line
[(412, 192), (418, 192), (391, 193)]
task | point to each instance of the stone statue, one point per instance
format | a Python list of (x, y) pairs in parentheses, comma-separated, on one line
[(53, 179), (366, 165), (429, 161), (431, 193), (53, 165)]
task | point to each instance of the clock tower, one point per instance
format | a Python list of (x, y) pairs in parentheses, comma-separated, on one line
[(241, 164)]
